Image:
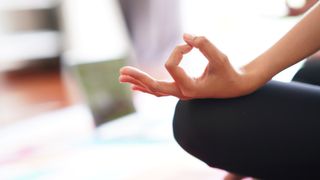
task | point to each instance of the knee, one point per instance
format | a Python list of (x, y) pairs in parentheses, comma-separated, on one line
[(181, 127), (191, 132), (202, 137), (198, 124), (184, 128), (206, 130)]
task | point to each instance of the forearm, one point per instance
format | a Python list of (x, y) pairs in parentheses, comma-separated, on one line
[(220, 79), (300, 42)]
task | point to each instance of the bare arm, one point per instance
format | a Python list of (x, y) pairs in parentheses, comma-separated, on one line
[(220, 79), (300, 42)]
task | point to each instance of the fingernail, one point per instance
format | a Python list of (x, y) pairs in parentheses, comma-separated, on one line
[(188, 36)]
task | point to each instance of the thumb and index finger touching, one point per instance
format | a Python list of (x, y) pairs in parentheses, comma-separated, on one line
[(214, 56), (172, 65)]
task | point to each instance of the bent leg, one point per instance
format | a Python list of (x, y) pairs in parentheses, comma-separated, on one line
[(273, 133), (309, 72)]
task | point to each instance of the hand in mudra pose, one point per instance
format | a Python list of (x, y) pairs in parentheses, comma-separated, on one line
[(219, 79)]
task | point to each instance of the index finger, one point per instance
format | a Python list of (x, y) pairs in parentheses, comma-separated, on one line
[(172, 65), (210, 51)]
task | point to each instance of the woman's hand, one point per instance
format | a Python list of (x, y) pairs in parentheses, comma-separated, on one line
[(219, 79)]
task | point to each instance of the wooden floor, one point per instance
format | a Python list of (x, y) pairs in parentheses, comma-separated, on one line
[(28, 92)]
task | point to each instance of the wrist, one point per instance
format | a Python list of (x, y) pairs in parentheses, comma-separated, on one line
[(253, 77)]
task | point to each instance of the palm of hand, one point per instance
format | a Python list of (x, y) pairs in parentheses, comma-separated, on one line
[(219, 79)]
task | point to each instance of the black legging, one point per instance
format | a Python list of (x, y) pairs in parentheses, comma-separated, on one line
[(273, 133)]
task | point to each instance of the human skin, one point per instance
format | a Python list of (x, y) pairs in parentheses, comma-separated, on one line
[(220, 79)]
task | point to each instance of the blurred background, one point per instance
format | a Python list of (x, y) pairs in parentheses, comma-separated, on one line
[(63, 114)]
